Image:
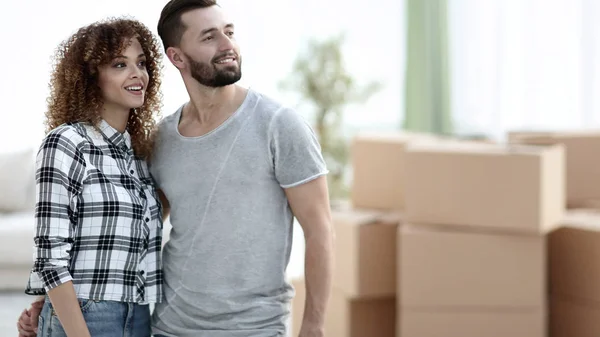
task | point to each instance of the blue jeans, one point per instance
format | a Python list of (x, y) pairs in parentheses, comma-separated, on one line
[(103, 319)]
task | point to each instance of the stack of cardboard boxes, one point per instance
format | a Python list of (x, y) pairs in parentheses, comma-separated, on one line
[(472, 253), (574, 247), (449, 238), (363, 299), (574, 271)]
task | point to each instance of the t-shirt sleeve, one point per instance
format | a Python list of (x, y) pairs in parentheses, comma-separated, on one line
[(295, 149)]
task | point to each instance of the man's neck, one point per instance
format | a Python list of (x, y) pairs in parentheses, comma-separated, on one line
[(209, 105)]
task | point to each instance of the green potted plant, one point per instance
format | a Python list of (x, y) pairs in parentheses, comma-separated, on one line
[(321, 79)]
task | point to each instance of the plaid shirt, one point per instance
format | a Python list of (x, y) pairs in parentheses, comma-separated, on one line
[(98, 217)]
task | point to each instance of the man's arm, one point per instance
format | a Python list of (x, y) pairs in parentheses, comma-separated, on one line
[(310, 205)]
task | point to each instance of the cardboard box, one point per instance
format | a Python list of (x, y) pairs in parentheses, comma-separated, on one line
[(506, 188), (347, 316), (591, 204), (378, 169), (572, 318), (365, 252), (582, 176), (574, 255), (443, 269), (477, 323)]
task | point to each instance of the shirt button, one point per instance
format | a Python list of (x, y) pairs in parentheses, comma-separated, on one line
[(147, 219), (131, 171), (145, 244), (142, 272)]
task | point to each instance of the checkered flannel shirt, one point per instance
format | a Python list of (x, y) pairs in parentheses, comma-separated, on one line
[(98, 217)]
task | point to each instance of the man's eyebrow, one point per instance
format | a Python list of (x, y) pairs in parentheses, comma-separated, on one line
[(208, 30), (212, 29)]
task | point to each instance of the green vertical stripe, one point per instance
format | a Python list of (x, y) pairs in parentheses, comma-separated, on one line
[(427, 100)]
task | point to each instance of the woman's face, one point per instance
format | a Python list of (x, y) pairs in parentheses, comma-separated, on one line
[(123, 82)]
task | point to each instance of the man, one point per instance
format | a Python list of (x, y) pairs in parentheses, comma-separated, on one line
[(234, 167)]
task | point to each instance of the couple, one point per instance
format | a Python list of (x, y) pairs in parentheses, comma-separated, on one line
[(231, 167)]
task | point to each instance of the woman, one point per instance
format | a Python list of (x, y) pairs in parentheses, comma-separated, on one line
[(98, 216)]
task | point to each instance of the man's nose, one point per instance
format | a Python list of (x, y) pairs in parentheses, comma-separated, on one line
[(226, 43)]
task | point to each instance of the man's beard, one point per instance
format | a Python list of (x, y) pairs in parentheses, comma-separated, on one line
[(209, 75)]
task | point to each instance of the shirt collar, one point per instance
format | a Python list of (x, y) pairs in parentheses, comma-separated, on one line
[(112, 135)]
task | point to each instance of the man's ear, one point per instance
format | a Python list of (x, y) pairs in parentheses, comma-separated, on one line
[(175, 55)]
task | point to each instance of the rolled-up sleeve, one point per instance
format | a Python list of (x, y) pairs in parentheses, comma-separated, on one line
[(60, 171)]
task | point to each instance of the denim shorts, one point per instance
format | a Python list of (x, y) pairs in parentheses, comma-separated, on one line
[(103, 319)]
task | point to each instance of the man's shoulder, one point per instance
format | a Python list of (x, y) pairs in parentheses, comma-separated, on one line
[(271, 108), (168, 119), (164, 126)]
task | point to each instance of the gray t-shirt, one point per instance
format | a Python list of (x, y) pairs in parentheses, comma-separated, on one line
[(225, 262)]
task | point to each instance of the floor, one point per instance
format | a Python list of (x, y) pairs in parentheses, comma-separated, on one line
[(11, 306)]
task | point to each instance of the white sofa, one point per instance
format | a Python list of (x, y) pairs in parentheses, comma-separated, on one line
[(17, 198), (16, 250)]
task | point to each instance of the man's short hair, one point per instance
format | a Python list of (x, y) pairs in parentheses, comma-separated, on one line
[(170, 27)]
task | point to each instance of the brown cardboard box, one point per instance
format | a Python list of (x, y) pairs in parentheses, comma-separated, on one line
[(476, 323), (365, 252), (574, 255), (591, 204), (442, 268), (509, 188), (378, 169), (572, 318), (347, 316), (582, 176)]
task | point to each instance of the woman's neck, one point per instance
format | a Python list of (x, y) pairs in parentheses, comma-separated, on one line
[(117, 119)]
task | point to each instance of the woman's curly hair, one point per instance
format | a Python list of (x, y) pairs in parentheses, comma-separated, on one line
[(74, 92)]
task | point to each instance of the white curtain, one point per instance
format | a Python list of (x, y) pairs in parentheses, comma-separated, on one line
[(524, 64)]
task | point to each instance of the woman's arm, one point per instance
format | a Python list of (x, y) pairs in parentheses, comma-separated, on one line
[(60, 172), (65, 303)]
